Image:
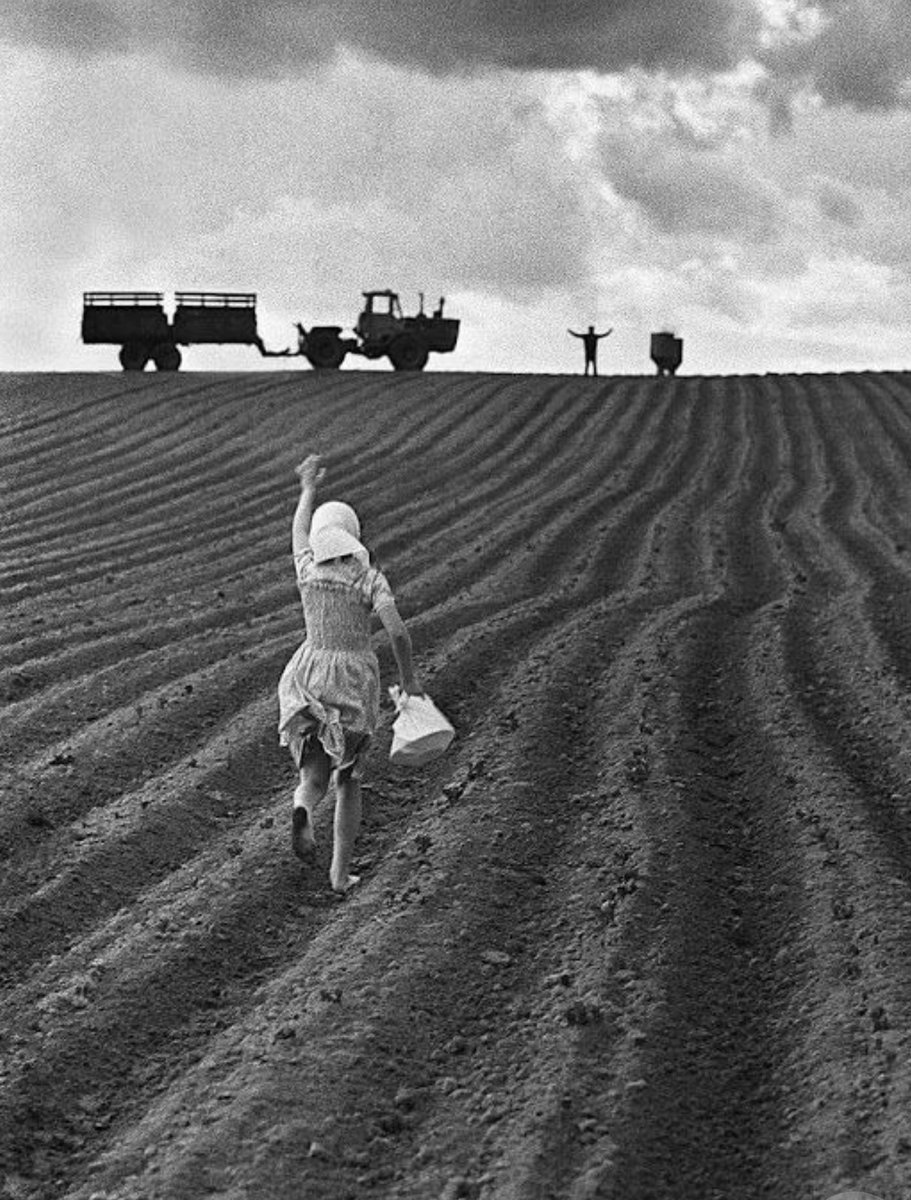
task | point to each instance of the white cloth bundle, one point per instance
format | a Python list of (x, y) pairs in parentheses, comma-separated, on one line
[(420, 732)]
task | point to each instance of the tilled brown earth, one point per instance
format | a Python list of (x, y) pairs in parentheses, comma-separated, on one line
[(644, 933)]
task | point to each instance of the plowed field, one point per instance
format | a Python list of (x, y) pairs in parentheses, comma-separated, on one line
[(645, 931)]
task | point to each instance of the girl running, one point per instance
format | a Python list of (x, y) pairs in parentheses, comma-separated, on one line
[(329, 692)]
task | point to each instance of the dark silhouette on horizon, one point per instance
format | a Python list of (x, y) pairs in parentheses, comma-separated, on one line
[(590, 340), (667, 352)]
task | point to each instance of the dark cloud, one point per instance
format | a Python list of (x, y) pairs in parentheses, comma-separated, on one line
[(79, 26), (838, 205), (279, 37), (860, 53), (541, 34), (860, 56), (686, 192)]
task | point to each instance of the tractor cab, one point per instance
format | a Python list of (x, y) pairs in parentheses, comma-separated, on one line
[(381, 317)]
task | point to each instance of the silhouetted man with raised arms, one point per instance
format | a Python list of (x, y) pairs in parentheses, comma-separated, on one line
[(591, 340)]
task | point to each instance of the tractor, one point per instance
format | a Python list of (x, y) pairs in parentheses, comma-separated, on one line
[(382, 330)]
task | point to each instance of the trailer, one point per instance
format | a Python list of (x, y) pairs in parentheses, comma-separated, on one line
[(138, 323), (207, 318)]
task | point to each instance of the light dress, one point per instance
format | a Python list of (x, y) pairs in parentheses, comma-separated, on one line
[(331, 685)]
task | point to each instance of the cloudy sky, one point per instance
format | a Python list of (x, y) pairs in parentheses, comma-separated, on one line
[(738, 171)]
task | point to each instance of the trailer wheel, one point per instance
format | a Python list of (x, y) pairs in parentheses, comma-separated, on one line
[(408, 353), (325, 351), (134, 356), (166, 357)]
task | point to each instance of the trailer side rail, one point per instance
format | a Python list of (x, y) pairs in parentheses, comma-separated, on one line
[(216, 299), (122, 299)]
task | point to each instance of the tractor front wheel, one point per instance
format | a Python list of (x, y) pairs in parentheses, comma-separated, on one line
[(408, 353), (325, 351), (134, 356), (166, 357)]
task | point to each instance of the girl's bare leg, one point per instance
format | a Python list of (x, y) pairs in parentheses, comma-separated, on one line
[(347, 825), (314, 780)]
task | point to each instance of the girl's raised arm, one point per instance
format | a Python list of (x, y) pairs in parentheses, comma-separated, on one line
[(310, 473)]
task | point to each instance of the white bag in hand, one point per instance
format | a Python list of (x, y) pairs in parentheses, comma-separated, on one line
[(420, 732)]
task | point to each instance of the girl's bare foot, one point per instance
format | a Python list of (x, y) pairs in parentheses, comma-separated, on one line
[(303, 843), (344, 885)]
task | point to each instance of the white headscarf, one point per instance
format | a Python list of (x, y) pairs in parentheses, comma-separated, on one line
[(335, 532)]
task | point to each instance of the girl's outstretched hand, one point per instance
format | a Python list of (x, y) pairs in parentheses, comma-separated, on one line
[(309, 471)]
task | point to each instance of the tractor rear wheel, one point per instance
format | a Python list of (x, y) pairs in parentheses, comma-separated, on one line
[(166, 357), (134, 356), (325, 351), (408, 353)]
